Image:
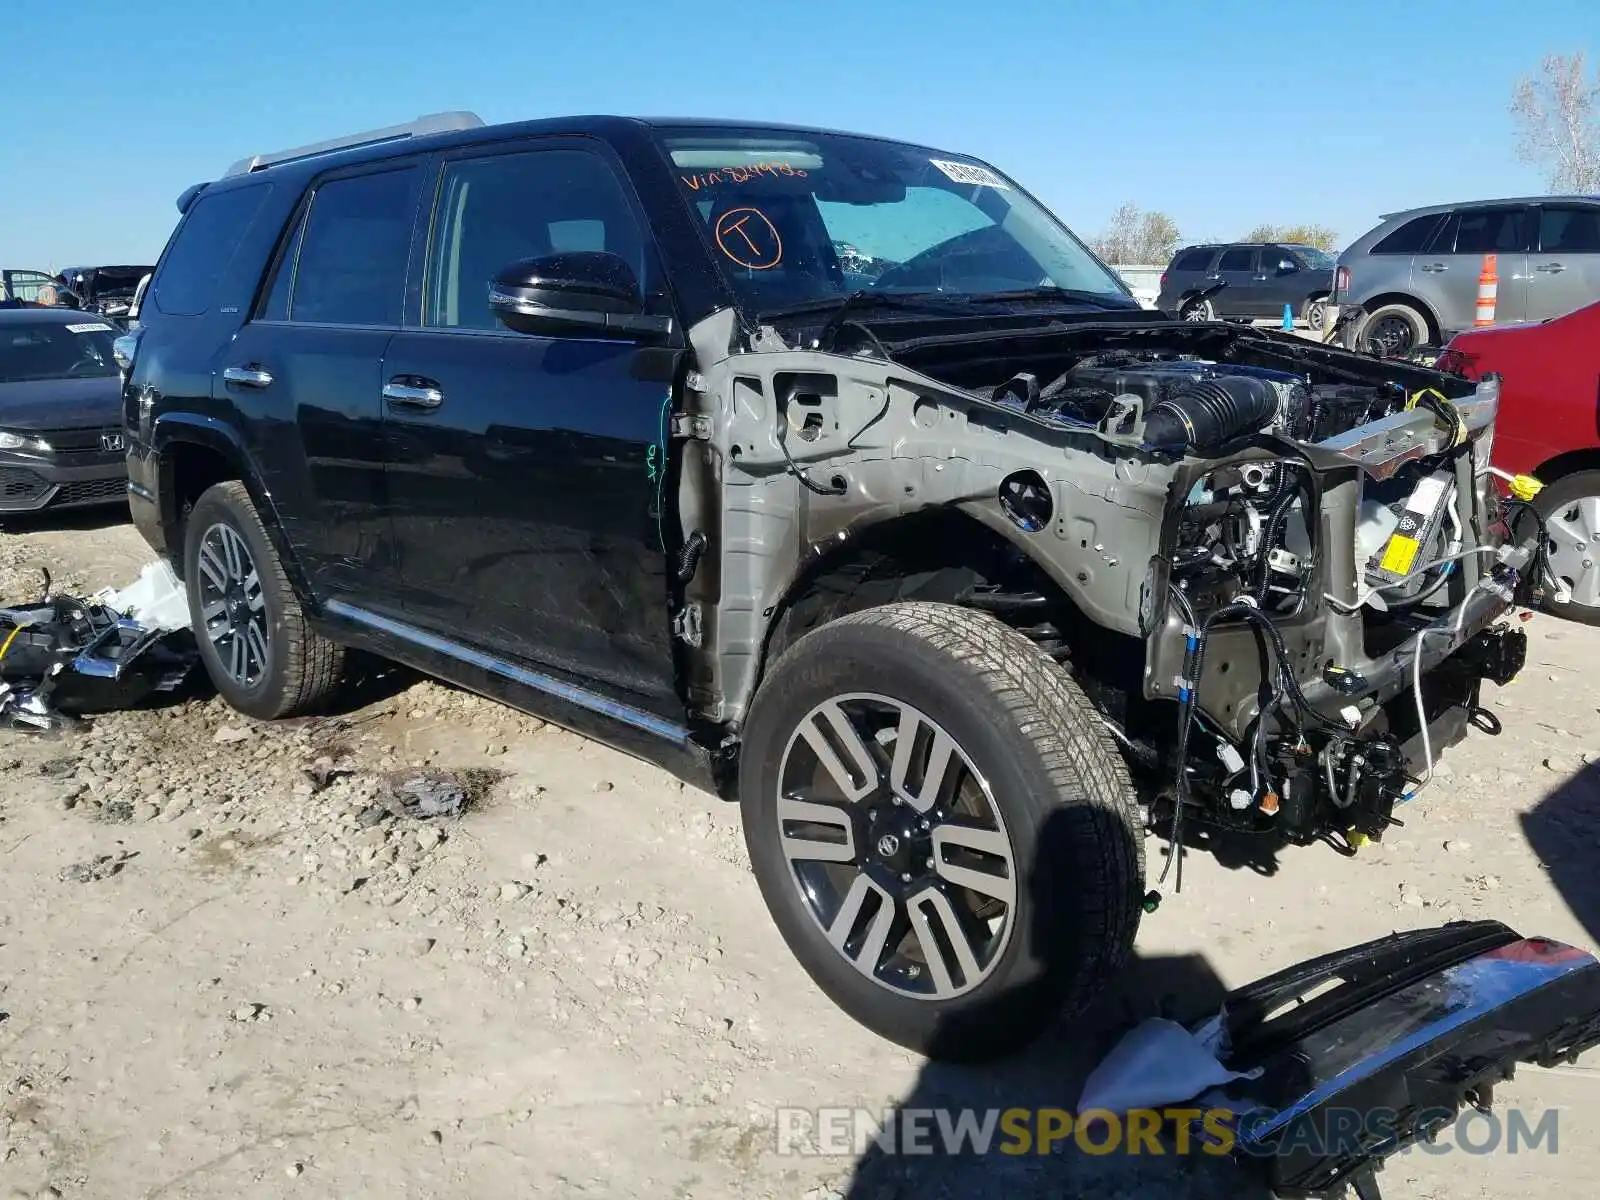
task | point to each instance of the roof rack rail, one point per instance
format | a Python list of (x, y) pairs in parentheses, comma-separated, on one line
[(446, 122)]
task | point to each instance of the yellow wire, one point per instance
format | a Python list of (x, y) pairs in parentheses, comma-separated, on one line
[(6, 646), (1459, 432)]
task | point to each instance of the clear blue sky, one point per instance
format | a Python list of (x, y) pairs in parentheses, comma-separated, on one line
[(1222, 113)]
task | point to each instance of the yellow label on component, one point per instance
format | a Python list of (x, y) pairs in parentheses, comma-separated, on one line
[(1400, 554)]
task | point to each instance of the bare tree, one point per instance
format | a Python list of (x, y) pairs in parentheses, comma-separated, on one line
[(1136, 237), (1319, 236), (1557, 123)]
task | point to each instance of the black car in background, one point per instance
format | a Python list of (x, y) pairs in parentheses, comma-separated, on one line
[(1260, 279), (107, 290), (61, 443)]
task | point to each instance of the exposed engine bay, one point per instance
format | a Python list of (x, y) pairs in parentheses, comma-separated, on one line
[(1278, 568)]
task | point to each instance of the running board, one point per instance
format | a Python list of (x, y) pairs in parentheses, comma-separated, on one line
[(1363, 1052), (548, 684)]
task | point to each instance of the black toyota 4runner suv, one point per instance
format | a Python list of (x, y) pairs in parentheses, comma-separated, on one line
[(836, 474)]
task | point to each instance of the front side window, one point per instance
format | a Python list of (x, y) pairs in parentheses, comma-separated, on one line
[(1570, 230), (497, 210), (1311, 258), (792, 220), (34, 350), (349, 267)]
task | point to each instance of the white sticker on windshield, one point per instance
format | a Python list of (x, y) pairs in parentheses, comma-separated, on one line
[(95, 327), (967, 173)]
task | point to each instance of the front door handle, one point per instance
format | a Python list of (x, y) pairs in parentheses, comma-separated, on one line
[(254, 377), (1550, 268), (409, 392)]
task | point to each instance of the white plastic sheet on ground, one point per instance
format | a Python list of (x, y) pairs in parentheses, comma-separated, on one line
[(156, 599), (1159, 1063)]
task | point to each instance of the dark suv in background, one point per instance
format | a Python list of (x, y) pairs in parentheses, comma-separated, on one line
[(1260, 279)]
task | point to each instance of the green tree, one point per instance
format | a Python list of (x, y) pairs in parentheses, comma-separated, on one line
[(1137, 238), (1319, 236)]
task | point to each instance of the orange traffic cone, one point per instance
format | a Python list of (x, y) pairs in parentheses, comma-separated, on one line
[(1488, 290)]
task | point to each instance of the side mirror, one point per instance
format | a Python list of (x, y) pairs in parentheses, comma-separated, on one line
[(586, 293), (1286, 266)]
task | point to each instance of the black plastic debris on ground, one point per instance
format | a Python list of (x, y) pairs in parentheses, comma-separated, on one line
[(63, 656), (429, 795)]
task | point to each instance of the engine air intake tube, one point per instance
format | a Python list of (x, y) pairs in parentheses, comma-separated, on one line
[(1210, 412)]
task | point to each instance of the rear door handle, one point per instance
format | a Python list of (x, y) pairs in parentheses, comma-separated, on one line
[(409, 392), (1550, 268), (254, 377), (1432, 268)]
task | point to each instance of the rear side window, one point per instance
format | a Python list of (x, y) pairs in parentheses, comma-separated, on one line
[(1411, 237), (1570, 230), (1192, 260), (203, 250), (347, 262), (1237, 260), (1493, 230)]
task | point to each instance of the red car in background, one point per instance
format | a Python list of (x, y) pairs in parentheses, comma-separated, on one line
[(1549, 427)]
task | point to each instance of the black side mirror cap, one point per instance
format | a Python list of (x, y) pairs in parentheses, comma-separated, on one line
[(587, 293)]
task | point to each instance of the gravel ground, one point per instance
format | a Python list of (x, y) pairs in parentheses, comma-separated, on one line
[(232, 964)]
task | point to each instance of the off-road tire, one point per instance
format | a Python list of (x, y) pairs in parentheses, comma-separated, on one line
[(303, 668), (1552, 499), (1054, 774)]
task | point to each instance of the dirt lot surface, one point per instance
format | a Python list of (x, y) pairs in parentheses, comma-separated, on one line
[(227, 970)]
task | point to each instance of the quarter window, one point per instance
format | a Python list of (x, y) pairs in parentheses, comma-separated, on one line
[(497, 210), (1193, 260), (1411, 237), (206, 242)]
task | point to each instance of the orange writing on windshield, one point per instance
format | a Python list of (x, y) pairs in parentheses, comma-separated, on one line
[(749, 238), (744, 174)]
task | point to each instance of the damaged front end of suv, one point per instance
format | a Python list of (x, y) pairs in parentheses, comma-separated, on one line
[(1280, 570)]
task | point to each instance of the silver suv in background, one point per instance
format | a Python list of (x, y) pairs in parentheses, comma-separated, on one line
[(1416, 275)]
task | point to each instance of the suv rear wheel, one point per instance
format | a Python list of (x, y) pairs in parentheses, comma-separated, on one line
[(254, 641), (1198, 310), (1396, 329), (943, 831)]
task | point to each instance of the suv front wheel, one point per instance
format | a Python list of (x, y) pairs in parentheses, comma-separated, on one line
[(254, 641), (941, 827)]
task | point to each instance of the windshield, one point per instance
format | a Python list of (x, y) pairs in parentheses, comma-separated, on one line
[(46, 350), (795, 220), (1316, 260)]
